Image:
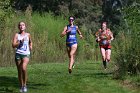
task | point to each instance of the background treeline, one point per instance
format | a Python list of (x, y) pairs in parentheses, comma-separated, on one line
[(46, 19)]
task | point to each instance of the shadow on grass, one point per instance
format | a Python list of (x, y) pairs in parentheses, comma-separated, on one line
[(94, 75), (108, 74), (8, 84)]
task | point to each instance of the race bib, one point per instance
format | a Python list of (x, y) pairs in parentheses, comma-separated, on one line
[(24, 47), (71, 36), (104, 42)]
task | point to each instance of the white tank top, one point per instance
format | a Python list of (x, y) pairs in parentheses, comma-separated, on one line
[(24, 47)]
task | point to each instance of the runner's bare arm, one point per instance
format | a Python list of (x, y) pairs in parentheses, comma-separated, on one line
[(15, 42), (79, 32), (30, 42), (64, 32), (111, 35)]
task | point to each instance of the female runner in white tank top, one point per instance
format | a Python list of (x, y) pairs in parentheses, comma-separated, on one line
[(23, 44)]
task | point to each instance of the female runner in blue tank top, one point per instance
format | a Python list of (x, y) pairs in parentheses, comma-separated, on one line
[(71, 40)]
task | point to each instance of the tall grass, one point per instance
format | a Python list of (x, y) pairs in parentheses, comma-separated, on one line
[(45, 31), (127, 55), (47, 41)]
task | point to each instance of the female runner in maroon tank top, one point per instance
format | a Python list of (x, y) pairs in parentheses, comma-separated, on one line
[(104, 36)]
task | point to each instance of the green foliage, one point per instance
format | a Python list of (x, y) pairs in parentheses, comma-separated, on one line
[(46, 32), (128, 57), (46, 27), (87, 12), (134, 21), (4, 13), (4, 4), (48, 46), (2, 19)]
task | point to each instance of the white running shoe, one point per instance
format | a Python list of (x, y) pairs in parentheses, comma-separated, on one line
[(24, 89), (73, 66)]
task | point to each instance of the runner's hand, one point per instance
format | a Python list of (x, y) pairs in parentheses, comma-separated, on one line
[(68, 30), (81, 36), (98, 39), (21, 41)]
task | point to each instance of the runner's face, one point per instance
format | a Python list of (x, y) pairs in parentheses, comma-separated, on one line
[(22, 26), (104, 26), (71, 20)]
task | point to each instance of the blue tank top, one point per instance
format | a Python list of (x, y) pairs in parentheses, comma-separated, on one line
[(71, 36)]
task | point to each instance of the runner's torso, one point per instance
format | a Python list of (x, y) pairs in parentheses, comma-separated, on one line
[(24, 47), (105, 36), (71, 36)]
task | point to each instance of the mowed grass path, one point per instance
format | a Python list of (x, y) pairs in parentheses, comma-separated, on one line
[(87, 77)]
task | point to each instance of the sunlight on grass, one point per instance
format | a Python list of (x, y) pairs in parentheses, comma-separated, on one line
[(86, 77)]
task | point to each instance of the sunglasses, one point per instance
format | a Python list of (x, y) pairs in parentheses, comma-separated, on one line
[(71, 19)]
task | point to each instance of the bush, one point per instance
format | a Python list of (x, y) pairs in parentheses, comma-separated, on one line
[(127, 55)]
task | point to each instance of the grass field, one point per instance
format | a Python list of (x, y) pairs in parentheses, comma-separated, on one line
[(87, 77)]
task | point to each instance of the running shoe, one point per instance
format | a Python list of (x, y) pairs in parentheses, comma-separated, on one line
[(70, 70), (24, 89), (73, 66)]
